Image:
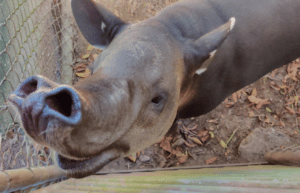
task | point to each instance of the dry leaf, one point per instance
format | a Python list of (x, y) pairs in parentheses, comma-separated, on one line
[(251, 114), (132, 157), (178, 142), (296, 100), (85, 56), (254, 99), (80, 69), (229, 104), (182, 159), (211, 134), (189, 145), (292, 70), (267, 120), (89, 48), (269, 110), (234, 97), (84, 74), (295, 132), (192, 128), (166, 144), (205, 138), (81, 65), (116, 12), (259, 102), (215, 121), (223, 144), (277, 123), (227, 152), (290, 110), (196, 140), (178, 152), (203, 134), (284, 86), (211, 160), (262, 103), (274, 86), (225, 101), (149, 6), (211, 128), (183, 129), (239, 94), (254, 92), (273, 73)]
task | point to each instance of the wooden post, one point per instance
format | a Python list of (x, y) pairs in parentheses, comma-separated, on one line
[(12, 180)]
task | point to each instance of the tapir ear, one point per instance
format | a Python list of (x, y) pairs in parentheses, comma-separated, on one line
[(200, 53), (98, 25)]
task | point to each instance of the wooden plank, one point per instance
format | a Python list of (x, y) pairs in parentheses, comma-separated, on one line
[(229, 179), (12, 180)]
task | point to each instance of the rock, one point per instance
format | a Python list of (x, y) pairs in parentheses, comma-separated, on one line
[(261, 140), (179, 141), (144, 158), (289, 156)]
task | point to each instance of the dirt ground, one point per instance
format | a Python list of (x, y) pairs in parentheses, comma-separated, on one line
[(252, 121)]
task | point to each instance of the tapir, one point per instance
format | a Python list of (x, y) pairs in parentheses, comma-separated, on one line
[(180, 63)]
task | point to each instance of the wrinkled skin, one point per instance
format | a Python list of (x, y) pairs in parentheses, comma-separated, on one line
[(181, 63)]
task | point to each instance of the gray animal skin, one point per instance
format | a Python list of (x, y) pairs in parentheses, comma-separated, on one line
[(181, 63)]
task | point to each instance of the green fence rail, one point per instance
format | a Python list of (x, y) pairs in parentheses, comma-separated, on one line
[(241, 179)]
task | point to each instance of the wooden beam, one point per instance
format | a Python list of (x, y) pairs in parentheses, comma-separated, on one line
[(19, 179)]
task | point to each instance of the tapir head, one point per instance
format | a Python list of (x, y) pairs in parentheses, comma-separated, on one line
[(128, 103)]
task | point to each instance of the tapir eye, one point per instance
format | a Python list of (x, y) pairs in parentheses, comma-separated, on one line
[(158, 102), (157, 99)]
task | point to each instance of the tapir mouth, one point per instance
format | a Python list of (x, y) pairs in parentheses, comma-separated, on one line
[(85, 167)]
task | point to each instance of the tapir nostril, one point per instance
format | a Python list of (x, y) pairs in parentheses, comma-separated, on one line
[(61, 102), (29, 87)]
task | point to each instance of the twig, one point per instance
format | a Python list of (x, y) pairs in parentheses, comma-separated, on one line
[(233, 134)]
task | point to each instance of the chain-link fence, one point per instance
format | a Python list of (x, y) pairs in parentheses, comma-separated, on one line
[(36, 37)]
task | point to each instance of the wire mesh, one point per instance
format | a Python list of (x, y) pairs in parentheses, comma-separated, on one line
[(36, 37)]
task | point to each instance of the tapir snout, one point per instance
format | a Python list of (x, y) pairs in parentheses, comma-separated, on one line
[(84, 130), (39, 101)]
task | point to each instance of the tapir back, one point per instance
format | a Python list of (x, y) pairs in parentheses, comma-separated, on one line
[(265, 37)]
